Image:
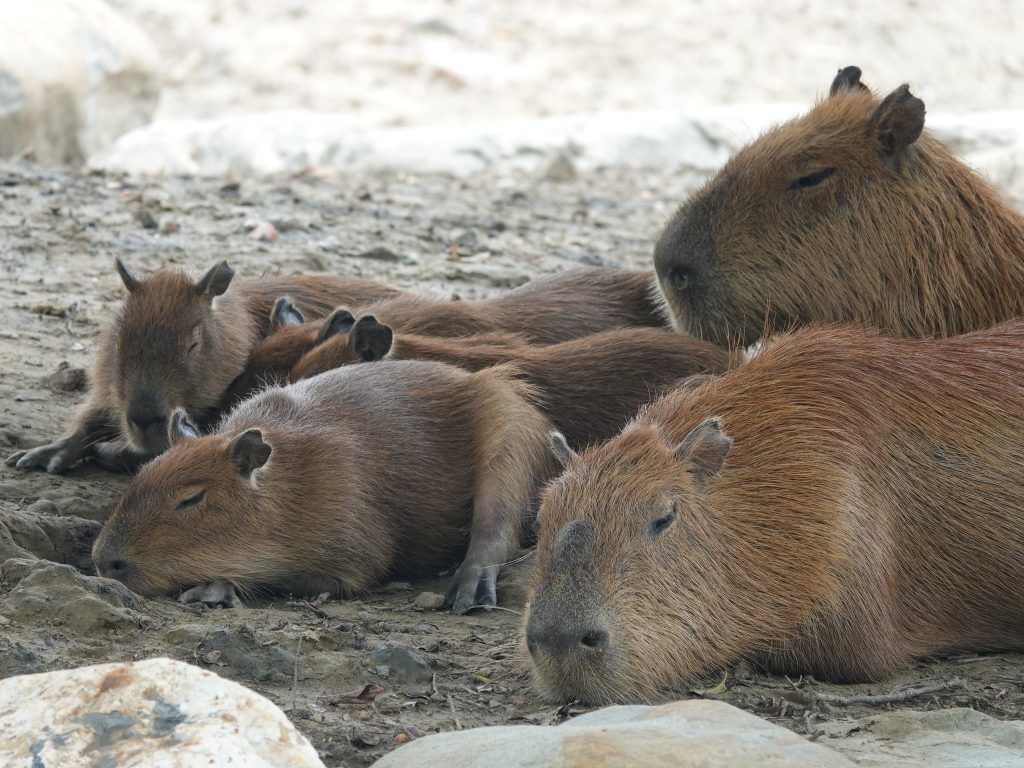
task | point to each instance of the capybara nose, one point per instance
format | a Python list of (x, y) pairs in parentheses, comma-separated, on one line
[(144, 420), (112, 566), (681, 278), (566, 640)]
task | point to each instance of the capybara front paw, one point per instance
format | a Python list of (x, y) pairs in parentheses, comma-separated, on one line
[(473, 586), (213, 593), (54, 458)]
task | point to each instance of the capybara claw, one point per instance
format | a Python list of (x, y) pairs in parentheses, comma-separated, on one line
[(53, 458), (14, 458), (213, 593)]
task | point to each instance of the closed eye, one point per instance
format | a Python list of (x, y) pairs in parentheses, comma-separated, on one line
[(658, 526), (812, 178), (191, 501)]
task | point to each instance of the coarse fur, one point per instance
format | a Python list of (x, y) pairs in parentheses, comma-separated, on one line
[(178, 343), (589, 388), (371, 472), (837, 506), (849, 214)]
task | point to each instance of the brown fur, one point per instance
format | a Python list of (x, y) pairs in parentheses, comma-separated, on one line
[(145, 355), (869, 511), (902, 236), (589, 388), (373, 471)]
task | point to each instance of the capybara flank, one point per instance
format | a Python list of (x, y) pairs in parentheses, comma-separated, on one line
[(852, 214), (178, 343), (337, 483), (589, 388), (837, 506)]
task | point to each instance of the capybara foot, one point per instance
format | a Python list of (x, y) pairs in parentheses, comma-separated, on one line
[(54, 457), (213, 593), (473, 586)]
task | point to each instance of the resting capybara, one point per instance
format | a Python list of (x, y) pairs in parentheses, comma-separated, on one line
[(851, 213), (589, 388), (176, 343), (337, 483), (839, 505)]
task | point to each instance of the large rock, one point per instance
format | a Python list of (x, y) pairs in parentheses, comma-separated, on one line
[(686, 733), (952, 738), (74, 75), (154, 714)]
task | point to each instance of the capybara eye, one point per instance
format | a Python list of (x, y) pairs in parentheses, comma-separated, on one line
[(659, 525), (812, 178), (681, 277), (191, 501)]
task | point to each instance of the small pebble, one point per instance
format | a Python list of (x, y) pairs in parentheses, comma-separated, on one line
[(212, 657), (264, 232), (428, 601), (146, 218), (169, 226)]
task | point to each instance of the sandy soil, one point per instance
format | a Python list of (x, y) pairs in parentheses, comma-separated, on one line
[(397, 62), (311, 657)]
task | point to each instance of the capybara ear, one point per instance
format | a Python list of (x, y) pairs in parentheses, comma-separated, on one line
[(285, 313), (131, 282), (369, 339), (847, 79), (897, 123), (248, 452), (339, 321), (180, 428), (563, 453), (216, 280), (704, 449)]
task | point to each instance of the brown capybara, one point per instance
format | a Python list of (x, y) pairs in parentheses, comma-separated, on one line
[(851, 214), (589, 388), (292, 339), (839, 505), (338, 483), (177, 342)]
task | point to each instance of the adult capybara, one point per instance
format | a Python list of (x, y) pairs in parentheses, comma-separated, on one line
[(841, 504), (589, 388), (851, 213), (178, 342), (338, 483)]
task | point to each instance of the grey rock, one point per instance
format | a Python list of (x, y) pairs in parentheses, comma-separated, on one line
[(403, 663), (428, 601)]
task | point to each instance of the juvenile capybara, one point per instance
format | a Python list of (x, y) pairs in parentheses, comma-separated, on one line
[(178, 342), (837, 506), (589, 388), (851, 213), (338, 483)]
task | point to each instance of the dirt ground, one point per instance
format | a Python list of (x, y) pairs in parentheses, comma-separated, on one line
[(317, 659)]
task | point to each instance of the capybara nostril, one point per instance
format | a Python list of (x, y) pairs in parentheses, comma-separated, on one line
[(595, 640), (681, 277), (116, 568), (566, 639), (143, 421)]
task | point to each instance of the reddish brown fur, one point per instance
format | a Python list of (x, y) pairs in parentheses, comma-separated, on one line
[(909, 240), (869, 512), (373, 471), (589, 388), (145, 356)]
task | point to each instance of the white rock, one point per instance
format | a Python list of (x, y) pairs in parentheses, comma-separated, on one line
[(952, 738), (74, 75), (157, 713), (682, 734)]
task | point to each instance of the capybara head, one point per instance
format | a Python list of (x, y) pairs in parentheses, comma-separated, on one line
[(848, 214), (173, 348), (629, 568), (342, 342), (182, 519)]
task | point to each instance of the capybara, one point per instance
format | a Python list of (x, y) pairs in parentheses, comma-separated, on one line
[(851, 214), (293, 340), (177, 342), (837, 506), (337, 483), (589, 388)]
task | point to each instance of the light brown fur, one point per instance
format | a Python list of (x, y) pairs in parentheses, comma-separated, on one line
[(589, 388), (901, 236), (144, 361), (869, 511), (373, 471)]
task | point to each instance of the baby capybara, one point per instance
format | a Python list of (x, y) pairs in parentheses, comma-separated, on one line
[(178, 343), (338, 483), (839, 505), (851, 213), (589, 388)]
